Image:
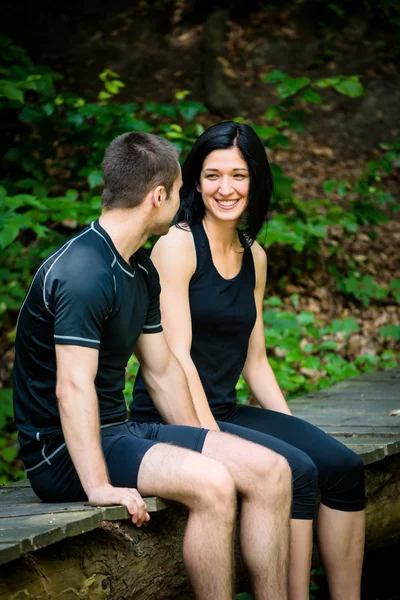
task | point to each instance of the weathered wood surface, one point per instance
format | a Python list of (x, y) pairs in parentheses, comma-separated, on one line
[(358, 412), (117, 561), (27, 524)]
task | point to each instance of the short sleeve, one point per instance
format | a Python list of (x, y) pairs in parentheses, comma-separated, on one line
[(153, 318), (80, 307)]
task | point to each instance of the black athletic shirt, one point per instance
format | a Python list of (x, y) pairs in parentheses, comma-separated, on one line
[(223, 315), (84, 294)]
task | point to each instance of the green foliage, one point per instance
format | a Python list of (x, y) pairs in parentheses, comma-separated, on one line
[(6, 407), (295, 94), (390, 331), (52, 187), (302, 351), (131, 372), (362, 287), (53, 182), (8, 441)]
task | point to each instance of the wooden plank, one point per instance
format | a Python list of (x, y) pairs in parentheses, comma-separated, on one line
[(383, 376), (33, 525), (390, 447), (357, 421), (369, 453), (37, 531), (109, 513), (16, 484), (351, 401), (366, 430), (9, 551)]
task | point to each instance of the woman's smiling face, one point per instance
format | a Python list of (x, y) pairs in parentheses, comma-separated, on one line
[(224, 184)]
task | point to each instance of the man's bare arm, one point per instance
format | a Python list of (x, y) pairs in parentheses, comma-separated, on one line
[(166, 380), (79, 413)]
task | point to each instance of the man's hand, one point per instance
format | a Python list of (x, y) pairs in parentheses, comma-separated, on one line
[(107, 495)]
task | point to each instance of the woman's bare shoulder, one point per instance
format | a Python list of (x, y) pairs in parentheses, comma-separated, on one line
[(177, 246), (177, 237), (259, 254)]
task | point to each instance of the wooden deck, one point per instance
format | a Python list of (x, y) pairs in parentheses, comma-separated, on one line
[(363, 413), (27, 524)]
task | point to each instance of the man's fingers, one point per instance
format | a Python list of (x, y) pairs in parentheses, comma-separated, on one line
[(136, 507)]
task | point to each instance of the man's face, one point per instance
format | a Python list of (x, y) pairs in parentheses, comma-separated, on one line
[(170, 207)]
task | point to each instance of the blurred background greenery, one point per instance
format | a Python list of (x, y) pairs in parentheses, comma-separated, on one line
[(317, 80)]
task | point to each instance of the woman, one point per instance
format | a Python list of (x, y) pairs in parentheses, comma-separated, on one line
[(213, 277)]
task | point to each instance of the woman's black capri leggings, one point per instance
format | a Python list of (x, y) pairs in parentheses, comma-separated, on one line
[(317, 460)]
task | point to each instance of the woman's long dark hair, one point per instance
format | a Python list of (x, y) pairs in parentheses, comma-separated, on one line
[(222, 136)]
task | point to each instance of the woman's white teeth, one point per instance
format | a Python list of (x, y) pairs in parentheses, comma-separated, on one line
[(227, 202)]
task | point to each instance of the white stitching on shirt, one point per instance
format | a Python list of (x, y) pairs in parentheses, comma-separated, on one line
[(37, 273), (113, 253), (151, 326), (80, 339), (139, 265), (59, 256), (57, 450)]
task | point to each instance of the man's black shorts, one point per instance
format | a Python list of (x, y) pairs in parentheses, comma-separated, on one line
[(124, 446)]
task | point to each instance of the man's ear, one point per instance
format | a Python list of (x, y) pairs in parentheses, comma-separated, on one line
[(159, 195)]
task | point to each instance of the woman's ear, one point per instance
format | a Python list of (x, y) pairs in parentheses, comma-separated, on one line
[(198, 188)]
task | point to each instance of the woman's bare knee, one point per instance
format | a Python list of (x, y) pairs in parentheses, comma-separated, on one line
[(271, 477), (280, 482)]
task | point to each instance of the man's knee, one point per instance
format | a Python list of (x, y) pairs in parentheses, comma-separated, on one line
[(215, 490)]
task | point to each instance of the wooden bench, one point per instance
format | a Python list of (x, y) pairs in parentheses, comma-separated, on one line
[(73, 550)]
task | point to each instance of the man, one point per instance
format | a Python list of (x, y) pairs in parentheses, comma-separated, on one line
[(90, 304)]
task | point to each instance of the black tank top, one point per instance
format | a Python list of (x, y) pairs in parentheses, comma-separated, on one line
[(223, 315)]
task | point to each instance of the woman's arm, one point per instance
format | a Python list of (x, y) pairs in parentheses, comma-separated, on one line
[(174, 257), (257, 371)]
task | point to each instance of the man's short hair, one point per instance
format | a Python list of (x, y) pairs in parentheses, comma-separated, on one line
[(133, 164)]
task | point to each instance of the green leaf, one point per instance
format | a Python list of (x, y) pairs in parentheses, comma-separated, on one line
[(31, 114), (265, 132), (8, 234), (306, 318), (6, 406), (164, 110), (95, 178), (290, 87), (181, 95), (346, 326), (310, 95), (189, 109), (328, 345), (274, 77), (274, 301), (9, 454), (390, 331), (11, 92), (350, 87), (272, 113)]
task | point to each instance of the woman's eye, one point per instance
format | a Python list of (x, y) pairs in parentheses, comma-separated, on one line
[(239, 176), (211, 176)]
